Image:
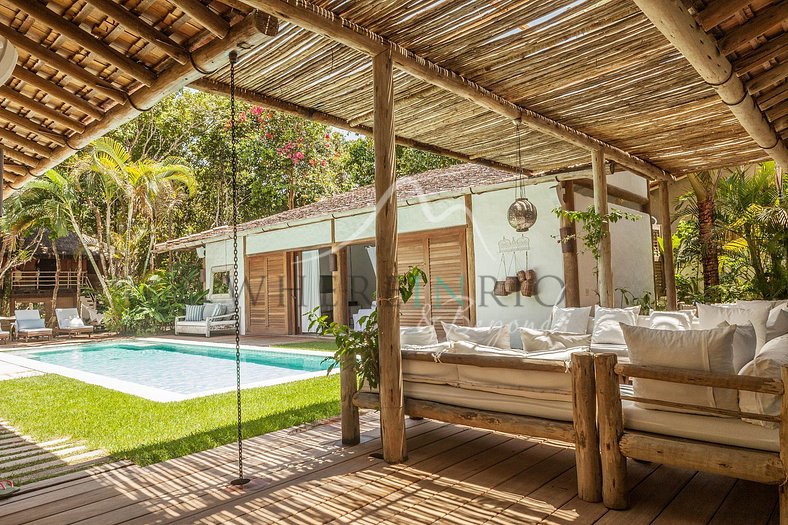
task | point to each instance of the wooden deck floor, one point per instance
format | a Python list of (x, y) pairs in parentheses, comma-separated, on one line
[(454, 475)]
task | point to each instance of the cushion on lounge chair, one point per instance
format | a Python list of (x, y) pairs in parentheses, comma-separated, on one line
[(212, 310), (30, 324), (570, 320), (711, 315), (607, 324), (194, 312), (772, 357), (69, 319), (495, 335), (418, 335), (535, 340)]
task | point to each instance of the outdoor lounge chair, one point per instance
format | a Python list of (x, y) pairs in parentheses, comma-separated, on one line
[(29, 324), (724, 442), (69, 322), (212, 318)]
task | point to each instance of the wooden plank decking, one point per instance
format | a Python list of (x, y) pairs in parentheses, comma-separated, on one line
[(454, 475)]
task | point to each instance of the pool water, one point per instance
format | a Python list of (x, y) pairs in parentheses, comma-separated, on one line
[(181, 369)]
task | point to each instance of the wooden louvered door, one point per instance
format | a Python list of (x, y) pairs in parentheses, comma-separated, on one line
[(442, 255), (268, 294)]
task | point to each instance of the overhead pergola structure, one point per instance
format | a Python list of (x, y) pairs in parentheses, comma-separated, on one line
[(657, 87)]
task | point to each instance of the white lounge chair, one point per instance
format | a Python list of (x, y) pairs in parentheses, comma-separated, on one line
[(69, 322), (212, 319), (30, 324), (87, 311)]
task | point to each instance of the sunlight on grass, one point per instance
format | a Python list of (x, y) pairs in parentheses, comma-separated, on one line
[(130, 427), (325, 346)]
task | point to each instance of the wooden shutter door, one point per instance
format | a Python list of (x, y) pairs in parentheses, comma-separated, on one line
[(448, 280), (412, 251), (267, 297)]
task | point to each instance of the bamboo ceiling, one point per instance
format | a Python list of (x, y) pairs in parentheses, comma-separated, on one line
[(594, 67)]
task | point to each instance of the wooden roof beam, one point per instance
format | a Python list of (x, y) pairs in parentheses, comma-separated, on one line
[(719, 11), (777, 47), (23, 122), (247, 33), (701, 51), (766, 19), (66, 28), (57, 92), (324, 22), (253, 97), (9, 137), (766, 79), (62, 64), (18, 156), (139, 27), (41, 109), (16, 169), (197, 10)]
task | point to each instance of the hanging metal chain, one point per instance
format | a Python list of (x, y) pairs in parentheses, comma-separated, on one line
[(237, 318), (521, 177)]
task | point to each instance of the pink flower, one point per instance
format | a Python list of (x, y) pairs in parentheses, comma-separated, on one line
[(328, 136), (269, 136), (323, 162), (242, 117), (256, 111), (299, 155)]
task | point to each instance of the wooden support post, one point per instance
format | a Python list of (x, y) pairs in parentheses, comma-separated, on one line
[(605, 263), (783, 501), (348, 383), (392, 411), (470, 254), (589, 469), (667, 245), (566, 195), (2, 178), (611, 428)]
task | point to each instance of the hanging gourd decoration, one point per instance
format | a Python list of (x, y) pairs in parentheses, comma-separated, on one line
[(522, 213)]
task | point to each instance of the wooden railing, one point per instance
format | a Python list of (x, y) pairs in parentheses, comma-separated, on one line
[(46, 279)]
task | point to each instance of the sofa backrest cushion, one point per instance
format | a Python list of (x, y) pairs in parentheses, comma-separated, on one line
[(670, 320), (570, 320), (194, 312), (418, 335), (535, 340), (698, 350), (496, 335), (777, 322), (711, 315), (212, 310), (772, 357), (607, 324)]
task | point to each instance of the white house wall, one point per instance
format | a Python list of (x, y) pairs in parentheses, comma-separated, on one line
[(490, 225), (220, 255), (292, 238)]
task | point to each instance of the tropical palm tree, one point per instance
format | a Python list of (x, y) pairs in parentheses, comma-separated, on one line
[(702, 209)]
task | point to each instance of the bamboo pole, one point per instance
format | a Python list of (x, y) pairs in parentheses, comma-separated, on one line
[(568, 231), (470, 256), (667, 245), (392, 412), (348, 383), (197, 10), (57, 92), (250, 31), (611, 428), (605, 262), (324, 22), (589, 468), (702, 51), (41, 109)]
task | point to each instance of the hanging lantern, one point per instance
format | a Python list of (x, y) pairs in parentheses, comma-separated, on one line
[(8, 58), (522, 213)]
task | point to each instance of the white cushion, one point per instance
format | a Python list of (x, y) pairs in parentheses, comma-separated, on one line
[(570, 320), (607, 324), (496, 335), (777, 322), (711, 315), (418, 335), (670, 320), (699, 350), (212, 310), (772, 357), (744, 342), (429, 371), (535, 340)]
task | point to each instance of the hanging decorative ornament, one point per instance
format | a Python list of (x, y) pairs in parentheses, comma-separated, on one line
[(8, 58), (522, 213), (778, 180)]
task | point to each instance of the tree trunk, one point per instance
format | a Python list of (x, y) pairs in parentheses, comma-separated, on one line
[(56, 289), (711, 265), (129, 219), (92, 260), (110, 266)]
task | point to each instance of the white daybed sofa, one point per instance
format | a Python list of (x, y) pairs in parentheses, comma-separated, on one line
[(214, 317), (548, 395)]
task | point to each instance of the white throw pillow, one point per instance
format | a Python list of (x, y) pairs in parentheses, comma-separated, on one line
[(744, 342), (418, 335), (699, 350), (777, 323), (772, 357), (535, 340), (670, 321), (496, 335), (711, 315), (570, 320), (607, 325)]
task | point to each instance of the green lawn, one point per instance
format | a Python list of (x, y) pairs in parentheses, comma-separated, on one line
[(325, 346), (130, 427)]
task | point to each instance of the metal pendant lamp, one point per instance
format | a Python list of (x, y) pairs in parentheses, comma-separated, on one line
[(522, 213), (8, 57)]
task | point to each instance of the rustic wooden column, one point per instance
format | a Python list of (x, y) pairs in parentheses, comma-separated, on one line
[(392, 411), (669, 267), (611, 428), (604, 264), (348, 384), (566, 194)]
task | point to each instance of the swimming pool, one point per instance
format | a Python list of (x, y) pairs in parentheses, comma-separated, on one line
[(167, 370)]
